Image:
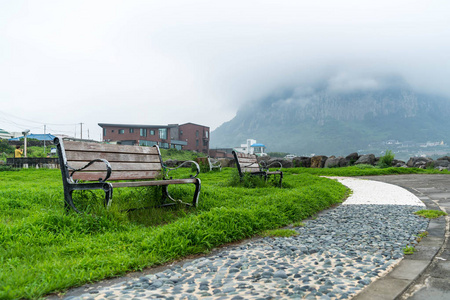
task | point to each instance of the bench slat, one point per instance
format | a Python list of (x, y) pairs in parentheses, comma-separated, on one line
[(95, 147), (250, 170), (111, 157), (118, 175), (116, 166), (150, 183), (247, 160)]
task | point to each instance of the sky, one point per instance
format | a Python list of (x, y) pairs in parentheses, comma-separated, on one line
[(69, 65)]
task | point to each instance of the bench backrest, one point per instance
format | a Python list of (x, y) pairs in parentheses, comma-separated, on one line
[(246, 162), (127, 162)]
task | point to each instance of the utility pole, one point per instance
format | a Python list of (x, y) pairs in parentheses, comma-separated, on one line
[(44, 137), (81, 129)]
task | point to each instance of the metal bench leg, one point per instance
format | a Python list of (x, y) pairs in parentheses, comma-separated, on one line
[(68, 201), (196, 193), (108, 194)]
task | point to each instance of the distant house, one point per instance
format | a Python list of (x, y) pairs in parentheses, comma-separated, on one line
[(251, 147), (5, 134), (39, 137), (188, 136)]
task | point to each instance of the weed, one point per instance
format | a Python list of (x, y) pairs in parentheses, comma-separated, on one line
[(408, 250), (279, 233), (298, 224), (421, 235), (430, 213)]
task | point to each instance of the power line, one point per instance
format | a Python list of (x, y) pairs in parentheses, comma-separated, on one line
[(42, 123)]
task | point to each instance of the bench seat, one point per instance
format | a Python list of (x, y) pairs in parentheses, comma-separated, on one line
[(90, 166)]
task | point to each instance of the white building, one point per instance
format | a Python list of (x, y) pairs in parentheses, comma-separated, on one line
[(251, 147)]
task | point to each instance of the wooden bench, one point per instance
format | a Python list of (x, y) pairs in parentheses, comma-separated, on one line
[(214, 164), (106, 166), (248, 163)]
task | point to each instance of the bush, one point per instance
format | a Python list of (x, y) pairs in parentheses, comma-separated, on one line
[(386, 160)]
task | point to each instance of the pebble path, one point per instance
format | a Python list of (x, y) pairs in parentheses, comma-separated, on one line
[(334, 256)]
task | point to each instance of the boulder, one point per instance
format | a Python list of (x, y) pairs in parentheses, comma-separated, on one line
[(367, 159), (171, 163), (419, 162), (226, 162), (352, 158), (447, 158), (274, 162), (441, 164), (318, 161), (302, 161), (335, 162), (398, 163)]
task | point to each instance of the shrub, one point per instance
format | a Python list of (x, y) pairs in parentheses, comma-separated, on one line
[(386, 160)]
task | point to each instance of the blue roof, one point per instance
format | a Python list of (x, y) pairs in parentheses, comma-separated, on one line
[(40, 137), (258, 145)]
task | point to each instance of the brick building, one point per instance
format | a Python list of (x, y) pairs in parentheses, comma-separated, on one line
[(187, 136)]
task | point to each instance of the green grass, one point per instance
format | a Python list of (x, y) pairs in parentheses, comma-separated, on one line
[(430, 213), (363, 170), (45, 250), (279, 233)]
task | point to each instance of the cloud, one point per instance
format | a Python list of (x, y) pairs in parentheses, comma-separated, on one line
[(160, 62)]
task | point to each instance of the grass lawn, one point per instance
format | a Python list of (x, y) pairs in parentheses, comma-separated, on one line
[(45, 250)]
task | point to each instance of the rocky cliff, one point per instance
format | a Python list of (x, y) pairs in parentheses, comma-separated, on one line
[(325, 121)]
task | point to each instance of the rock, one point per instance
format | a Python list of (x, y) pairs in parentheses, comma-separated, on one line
[(171, 163), (441, 164), (367, 159), (302, 161), (447, 158), (318, 161), (419, 162), (287, 163), (335, 162), (352, 158), (225, 162)]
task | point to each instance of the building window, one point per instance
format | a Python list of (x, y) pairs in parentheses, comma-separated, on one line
[(131, 130), (205, 143), (143, 132), (178, 147), (163, 133), (196, 143), (104, 131), (207, 134), (146, 143), (181, 132), (152, 132), (112, 130), (164, 145), (196, 133), (121, 131)]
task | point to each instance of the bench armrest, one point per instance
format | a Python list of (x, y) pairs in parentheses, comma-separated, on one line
[(108, 168), (184, 163), (266, 166)]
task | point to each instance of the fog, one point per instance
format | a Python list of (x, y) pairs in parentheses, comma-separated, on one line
[(63, 63)]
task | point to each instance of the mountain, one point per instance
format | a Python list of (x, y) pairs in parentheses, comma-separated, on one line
[(333, 121)]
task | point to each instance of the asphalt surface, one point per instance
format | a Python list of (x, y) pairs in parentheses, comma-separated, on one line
[(424, 275)]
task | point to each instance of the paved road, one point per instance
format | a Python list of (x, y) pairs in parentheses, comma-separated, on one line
[(425, 275)]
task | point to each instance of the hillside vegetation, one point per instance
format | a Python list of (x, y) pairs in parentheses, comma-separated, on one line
[(328, 122)]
